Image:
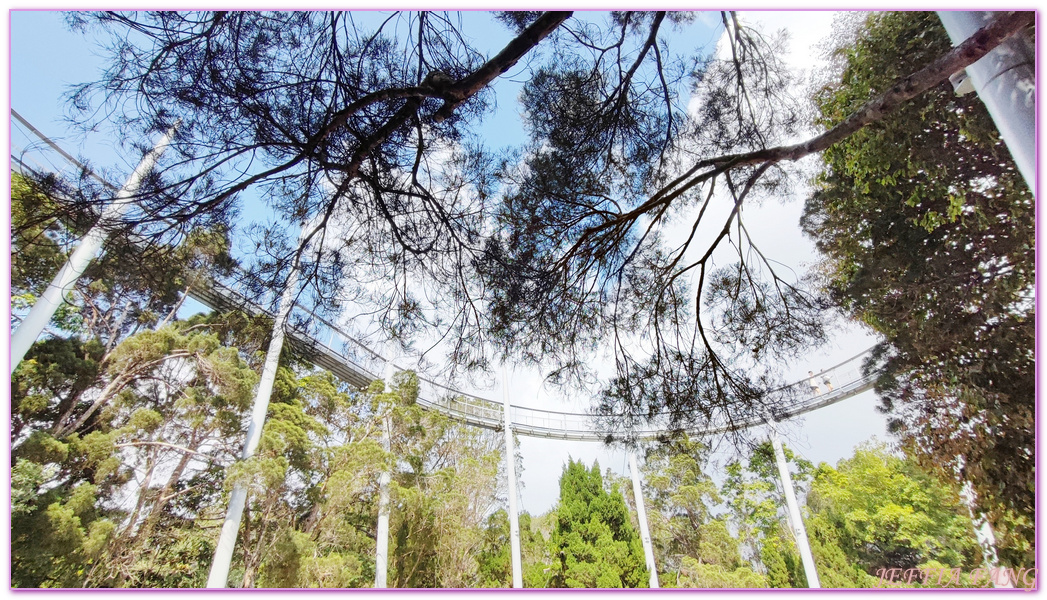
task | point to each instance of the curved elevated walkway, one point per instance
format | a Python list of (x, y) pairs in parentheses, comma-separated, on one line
[(357, 365), (354, 363)]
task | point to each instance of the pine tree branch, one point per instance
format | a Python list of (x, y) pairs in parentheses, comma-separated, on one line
[(465, 88)]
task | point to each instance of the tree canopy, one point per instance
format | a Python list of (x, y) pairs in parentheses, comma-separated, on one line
[(368, 131), (594, 542)]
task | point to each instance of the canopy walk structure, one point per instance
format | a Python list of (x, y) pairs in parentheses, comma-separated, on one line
[(357, 365), (354, 363)]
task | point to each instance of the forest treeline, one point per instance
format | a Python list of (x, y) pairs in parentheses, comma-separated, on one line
[(134, 495), (127, 426)]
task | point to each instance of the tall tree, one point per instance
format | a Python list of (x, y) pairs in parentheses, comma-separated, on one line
[(928, 233), (594, 543), (495, 557), (693, 545), (444, 488), (155, 444), (757, 511), (330, 542), (558, 241), (38, 239)]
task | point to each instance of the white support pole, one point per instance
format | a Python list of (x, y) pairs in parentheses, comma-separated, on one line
[(223, 555), (44, 309), (1005, 80), (510, 470), (986, 538), (799, 532), (641, 516), (381, 553)]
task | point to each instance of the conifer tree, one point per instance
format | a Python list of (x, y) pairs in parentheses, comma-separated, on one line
[(594, 543)]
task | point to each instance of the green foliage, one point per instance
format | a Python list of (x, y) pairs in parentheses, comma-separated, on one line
[(928, 232), (836, 568), (694, 574), (495, 556), (757, 511), (26, 477), (316, 473), (51, 378), (594, 542), (161, 395), (57, 535), (313, 494), (37, 238), (782, 561), (680, 496), (693, 547), (177, 556), (315, 506), (442, 490), (885, 512), (295, 561)]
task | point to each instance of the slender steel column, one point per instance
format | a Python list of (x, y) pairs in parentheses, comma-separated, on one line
[(381, 554), (799, 532), (510, 470), (45, 306), (223, 555), (641, 516)]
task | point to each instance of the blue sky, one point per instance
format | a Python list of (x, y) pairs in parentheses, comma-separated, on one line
[(46, 58)]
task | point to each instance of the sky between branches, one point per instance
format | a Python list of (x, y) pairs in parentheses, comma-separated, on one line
[(46, 57)]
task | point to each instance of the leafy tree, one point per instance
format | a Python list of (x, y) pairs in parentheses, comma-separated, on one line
[(316, 481), (557, 240), (836, 568), (495, 557), (130, 286), (693, 546), (873, 511), (758, 511), (58, 533), (443, 489), (38, 239), (695, 574), (928, 233), (72, 373), (313, 485), (594, 543), (340, 504), (885, 512), (54, 375), (182, 393), (680, 496)]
